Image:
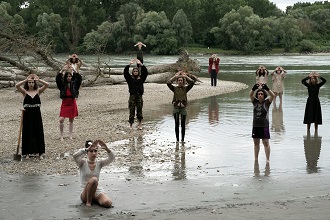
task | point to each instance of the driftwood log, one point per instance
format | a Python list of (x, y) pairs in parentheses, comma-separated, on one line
[(94, 75)]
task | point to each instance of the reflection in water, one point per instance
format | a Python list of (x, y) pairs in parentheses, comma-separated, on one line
[(136, 155), (179, 171), (213, 111), (312, 145), (277, 118), (257, 169)]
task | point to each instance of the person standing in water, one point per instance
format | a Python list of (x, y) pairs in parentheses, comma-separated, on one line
[(179, 101), (278, 82), (260, 129), (313, 112)]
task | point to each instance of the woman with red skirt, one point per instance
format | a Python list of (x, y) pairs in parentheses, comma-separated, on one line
[(68, 84)]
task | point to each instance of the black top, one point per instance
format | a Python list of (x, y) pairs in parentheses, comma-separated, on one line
[(135, 84), (74, 85)]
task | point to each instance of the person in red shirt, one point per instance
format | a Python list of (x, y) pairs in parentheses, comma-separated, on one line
[(214, 68)]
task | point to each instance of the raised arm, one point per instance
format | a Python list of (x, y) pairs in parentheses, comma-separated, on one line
[(144, 70), (44, 84), (190, 82), (323, 81), (304, 81), (79, 155), (254, 88), (126, 70), (59, 80), (111, 155), (270, 93), (77, 79), (19, 86), (171, 80)]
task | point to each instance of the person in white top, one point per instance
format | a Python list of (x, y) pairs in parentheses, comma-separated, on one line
[(90, 172), (278, 76), (262, 75)]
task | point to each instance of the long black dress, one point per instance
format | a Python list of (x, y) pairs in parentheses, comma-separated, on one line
[(33, 141), (313, 113)]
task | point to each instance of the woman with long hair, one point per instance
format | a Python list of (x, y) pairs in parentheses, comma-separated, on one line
[(68, 84), (313, 112), (33, 141)]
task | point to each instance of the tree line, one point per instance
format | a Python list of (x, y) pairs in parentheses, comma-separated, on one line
[(114, 26)]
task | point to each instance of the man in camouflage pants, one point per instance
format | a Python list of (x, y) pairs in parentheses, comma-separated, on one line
[(136, 89)]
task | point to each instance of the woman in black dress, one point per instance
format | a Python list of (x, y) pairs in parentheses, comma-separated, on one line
[(33, 141), (313, 113)]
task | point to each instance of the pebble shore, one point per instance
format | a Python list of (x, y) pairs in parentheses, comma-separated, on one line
[(103, 114)]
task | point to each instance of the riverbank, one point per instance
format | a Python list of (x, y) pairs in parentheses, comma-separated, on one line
[(103, 114), (220, 197)]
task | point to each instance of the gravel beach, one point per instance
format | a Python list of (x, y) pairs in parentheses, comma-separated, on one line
[(103, 114)]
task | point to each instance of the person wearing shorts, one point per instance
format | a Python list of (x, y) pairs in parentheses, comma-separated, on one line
[(260, 129), (90, 169)]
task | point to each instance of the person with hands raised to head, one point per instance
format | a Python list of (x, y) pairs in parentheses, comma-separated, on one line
[(260, 129), (262, 75), (278, 76), (139, 51), (68, 82), (179, 101), (33, 141), (313, 112), (90, 169), (73, 63), (213, 68), (136, 89)]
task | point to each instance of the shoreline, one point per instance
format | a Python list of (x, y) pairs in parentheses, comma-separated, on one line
[(103, 114)]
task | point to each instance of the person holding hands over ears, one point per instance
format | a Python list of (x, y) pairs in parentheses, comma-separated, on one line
[(90, 169)]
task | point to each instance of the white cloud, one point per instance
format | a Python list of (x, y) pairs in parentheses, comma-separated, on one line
[(282, 4)]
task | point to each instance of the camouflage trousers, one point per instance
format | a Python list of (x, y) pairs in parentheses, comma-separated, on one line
[(135, 102)]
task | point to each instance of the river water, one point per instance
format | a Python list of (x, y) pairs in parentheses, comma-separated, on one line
[(218, 131)]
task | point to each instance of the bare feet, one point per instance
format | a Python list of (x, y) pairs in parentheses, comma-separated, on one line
[(88, 204)]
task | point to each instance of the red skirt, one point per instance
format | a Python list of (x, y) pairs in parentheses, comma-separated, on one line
[(69, 108)]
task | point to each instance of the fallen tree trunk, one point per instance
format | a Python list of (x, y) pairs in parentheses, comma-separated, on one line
[(93, 76)]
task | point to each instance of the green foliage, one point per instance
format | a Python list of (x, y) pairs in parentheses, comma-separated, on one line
[(289, 33), (182, 28), (307, 46), (115, 26)]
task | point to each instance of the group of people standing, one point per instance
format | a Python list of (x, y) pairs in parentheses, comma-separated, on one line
[(69, 81), (258, 96)]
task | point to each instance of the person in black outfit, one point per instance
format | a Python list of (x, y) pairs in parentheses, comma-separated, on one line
[(260, 129), (33, 140), (136, 89), (139, 51), (313, 113)]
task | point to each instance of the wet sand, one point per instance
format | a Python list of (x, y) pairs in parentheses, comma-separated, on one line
[(48, 189), (222, 197)]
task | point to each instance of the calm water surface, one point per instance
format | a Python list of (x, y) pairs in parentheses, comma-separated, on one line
[(218, 131)]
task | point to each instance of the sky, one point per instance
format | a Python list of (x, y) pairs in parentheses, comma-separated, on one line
[(282, 4)]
